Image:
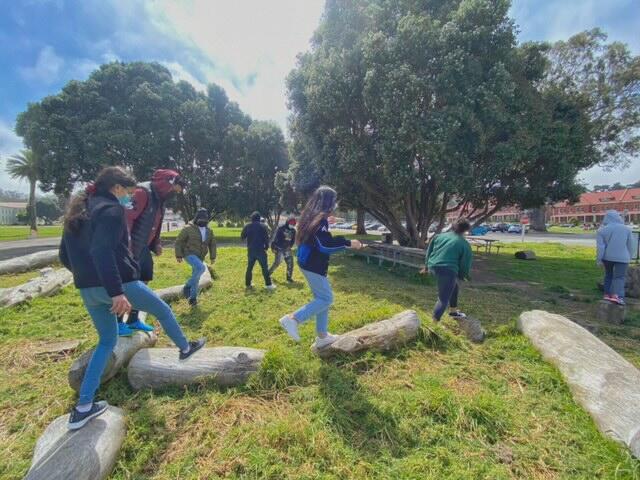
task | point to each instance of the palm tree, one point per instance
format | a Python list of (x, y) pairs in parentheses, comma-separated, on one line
[(24, 166)]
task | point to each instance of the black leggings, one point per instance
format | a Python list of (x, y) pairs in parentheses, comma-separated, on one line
[(447, 290), (261, 258)]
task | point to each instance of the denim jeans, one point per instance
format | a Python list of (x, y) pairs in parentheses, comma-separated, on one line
[(447, 290), (319, 306), (197, 269), (98, 304), (614, 276), (261, 258)]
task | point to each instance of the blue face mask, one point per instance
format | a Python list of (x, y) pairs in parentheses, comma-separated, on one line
[(125, 201)]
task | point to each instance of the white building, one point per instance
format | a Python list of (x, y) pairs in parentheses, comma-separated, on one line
[(9, 212)]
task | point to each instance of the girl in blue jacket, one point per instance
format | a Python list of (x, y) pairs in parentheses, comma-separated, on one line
[(315, 245), (95, 248)]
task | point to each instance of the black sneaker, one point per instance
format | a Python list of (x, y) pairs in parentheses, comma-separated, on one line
[(186, 291), (193, 348), (193, 302), (79, 419), (457, 314)]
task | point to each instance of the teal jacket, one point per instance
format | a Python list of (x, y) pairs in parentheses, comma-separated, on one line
[(452, 251)]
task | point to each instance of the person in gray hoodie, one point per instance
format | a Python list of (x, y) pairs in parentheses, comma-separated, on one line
[(615, 250)]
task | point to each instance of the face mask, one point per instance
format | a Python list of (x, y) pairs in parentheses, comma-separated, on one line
[(125, 201)]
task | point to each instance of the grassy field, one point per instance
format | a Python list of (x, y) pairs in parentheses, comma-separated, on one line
[(438, 408), (574, 230), (21, 232)]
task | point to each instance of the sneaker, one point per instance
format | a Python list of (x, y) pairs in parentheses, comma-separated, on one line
[(79, 419), (617, 300), (193, 302), (186, 291), (124, 330), (193, 348), (607, 297), (291, 327), (457, 314), (324, 342), (271, 287), (140, 325)]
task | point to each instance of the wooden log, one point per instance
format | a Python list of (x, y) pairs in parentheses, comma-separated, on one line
[(120, 357), (47, 284), (609, 312), (89, 453), (170, 294), (602, 381), (383, 335), (161, 367), (29, 262), (525, 255)]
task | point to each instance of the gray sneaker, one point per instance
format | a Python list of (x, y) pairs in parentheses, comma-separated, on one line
[(80, 419)]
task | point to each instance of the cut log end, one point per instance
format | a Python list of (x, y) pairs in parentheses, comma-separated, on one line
[(383, 335), (611, 313)]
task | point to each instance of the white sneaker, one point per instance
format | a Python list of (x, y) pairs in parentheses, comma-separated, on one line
[(326, 341), (291, 327), (270, 287)]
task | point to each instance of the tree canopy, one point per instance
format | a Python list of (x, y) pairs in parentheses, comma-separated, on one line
[(135, 115), (413, 109)]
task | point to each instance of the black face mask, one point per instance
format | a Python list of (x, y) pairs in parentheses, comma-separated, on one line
[(202, 223)]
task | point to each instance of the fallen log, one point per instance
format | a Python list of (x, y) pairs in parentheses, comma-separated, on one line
[(161, 367), (602, 381), (383, 335), (86, 454), (170, 294), (120, 357), (47, 284), (29, 262)]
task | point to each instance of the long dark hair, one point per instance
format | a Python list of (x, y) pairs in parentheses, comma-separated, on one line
[(321, 203), (108, 178)]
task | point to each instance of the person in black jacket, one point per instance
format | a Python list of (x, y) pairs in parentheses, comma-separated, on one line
[(257, 237), (95, 248), (315, 245), (284, 240)]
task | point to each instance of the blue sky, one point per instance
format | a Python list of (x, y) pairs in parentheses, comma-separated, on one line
[(246, 46)]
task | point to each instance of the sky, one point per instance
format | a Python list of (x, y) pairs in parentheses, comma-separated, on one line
[(246, 46)]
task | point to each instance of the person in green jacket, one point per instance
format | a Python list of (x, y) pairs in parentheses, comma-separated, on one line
[(192, 245), (449, 259)]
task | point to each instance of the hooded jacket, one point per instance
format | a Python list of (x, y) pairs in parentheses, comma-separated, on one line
[(313, 255), (145, 218), (615, 242), (190, 242)]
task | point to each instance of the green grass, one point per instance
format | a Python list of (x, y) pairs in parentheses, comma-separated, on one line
[(574, 230), (557, 265), (437, 408), (21, 232)]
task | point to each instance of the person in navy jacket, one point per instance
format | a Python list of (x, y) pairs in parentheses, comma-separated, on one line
[(315, 246), (95, 248)]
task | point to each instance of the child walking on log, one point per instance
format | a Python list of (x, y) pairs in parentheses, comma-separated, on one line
[(315, 245), (192, 245), (95, 248), (449, 258)]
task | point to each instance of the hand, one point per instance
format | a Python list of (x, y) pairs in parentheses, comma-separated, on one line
[(179, 259), (424, 271), (158, 250), (356, 244), (120, 305)]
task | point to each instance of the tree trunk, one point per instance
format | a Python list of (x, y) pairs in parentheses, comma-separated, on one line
[(32, 207), (383, 335), (360, 228), (29, 262), (48, 283), (603, 382), (537, 219), (161, 367)]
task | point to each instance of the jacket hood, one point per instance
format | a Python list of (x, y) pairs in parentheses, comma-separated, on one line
[(612, 217), (201, 214), (163, 181)]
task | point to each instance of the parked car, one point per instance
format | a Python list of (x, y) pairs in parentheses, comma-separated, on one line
[(500, 227), (479, 230), (515, 229)]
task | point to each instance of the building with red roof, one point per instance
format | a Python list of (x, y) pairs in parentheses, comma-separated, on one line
[(593, 205)]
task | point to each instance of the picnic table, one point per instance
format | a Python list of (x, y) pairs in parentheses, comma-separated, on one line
[(484, 243)]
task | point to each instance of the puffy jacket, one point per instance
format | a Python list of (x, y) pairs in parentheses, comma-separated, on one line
[(615, 242), (257, 237), (98, 254), (189, 242), (313, 254)]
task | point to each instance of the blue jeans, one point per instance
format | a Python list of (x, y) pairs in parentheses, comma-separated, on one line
[(447, 290), (319, 306), (98, 304), (197, 269), (614, 275)]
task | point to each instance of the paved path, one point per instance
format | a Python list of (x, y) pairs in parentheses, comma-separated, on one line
[(17, 248)]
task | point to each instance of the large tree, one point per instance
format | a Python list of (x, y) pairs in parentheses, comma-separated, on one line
[(26, 166), (135, 115)]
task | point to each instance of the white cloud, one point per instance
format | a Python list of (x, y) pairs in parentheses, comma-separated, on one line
[(10, 144), (179, 72), (46, 69), (600, 176)]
